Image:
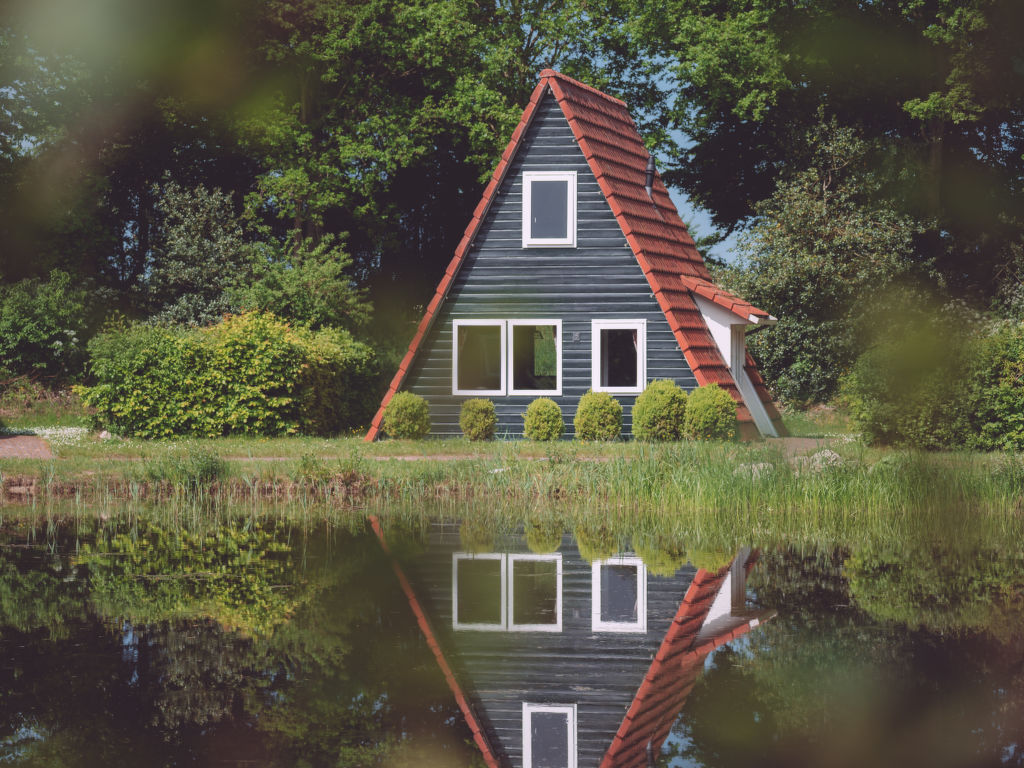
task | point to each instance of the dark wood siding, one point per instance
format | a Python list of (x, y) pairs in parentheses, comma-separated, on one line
[(600, 673), (600, 278)]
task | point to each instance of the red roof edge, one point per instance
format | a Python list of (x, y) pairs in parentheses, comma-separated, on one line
[(421, 618), (463, 248)]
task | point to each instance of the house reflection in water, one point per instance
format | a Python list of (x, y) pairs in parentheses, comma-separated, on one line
[(560, 663)]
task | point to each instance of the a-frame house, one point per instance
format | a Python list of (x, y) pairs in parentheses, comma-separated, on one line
[(555, 661), (577, 273)]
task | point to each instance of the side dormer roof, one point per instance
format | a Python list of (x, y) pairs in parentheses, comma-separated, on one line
[(659, 239)]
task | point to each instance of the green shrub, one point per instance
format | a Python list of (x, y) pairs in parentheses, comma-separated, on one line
[(407, 417), (662, 558), (543, 536), (249, 374), (477, 419), (912, 390), (710, 414), (543, 420), (598, 417), (596, 541), (43, 327), (997, 396), (660, 412)]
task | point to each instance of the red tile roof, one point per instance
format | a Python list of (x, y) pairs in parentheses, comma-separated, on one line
[(659, 239), (673, 672)]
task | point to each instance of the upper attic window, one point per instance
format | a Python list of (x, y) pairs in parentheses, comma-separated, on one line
[(549, 208)]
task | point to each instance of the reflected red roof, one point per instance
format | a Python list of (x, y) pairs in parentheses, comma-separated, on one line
[(659, 239)]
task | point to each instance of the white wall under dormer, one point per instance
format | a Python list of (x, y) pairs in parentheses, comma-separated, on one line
[(729, 332)]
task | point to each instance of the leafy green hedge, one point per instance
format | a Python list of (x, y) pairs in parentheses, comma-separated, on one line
[(407, 417), (934, 387), (249, 374)]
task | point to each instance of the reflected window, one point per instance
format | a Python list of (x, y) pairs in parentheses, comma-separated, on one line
[(536, 356), (478, 595), (549, 736), (535, 583), (479, 357), (549, 208), (619, 594), (618, 355), (497, 592)]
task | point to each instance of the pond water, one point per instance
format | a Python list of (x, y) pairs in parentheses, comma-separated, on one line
[(449, 645)]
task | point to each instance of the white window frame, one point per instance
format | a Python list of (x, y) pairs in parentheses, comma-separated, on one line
[(503, 357), (557, 626), (640, 625), (640, 326), (506, 624), (510, 346), (570, 225), (458, 557), (528, 709)]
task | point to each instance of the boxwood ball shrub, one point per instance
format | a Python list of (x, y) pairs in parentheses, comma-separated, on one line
[(249, 374), (598, 417), (477, 419), (543, 420), (710, 414), (660, 411), (407, 417)]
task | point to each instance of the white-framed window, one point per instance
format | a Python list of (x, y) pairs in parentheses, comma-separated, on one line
[(479, 591), (515, 357), (535, 593), (549, 209), (478, 357), (619, 595), (618, 356), (507, 593), (535, 357), (549, 735)]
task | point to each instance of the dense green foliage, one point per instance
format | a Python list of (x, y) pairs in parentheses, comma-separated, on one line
[(660, 412), (477, 419), (249, 374), (933, 387), (407, 417), (598, 417), (710, 414), (823, 255), (44, 326), (996, 382), (543, 420)]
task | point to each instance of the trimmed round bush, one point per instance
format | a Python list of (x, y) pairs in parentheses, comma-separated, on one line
[(477, 419), (543, 420), (660, 412), (407, 417), (710, 414), (598, 417), (543, 537)]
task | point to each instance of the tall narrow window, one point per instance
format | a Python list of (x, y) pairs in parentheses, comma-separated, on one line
[(618, 355), (478, 357), (549, 735), (535, 592), (535, 357), (619, 595), (549, 208), (478, 591)]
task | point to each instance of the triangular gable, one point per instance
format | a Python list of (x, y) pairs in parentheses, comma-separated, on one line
[(663, 248), (674, 671)]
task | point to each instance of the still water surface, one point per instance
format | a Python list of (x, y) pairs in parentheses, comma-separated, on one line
[(450, 646)]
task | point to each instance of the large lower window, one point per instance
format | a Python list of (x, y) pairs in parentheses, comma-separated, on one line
[(549, 735), (517, 357), (619, 595), (513, 593), (618, 355), (478, 357), (535, 358), (549, 208)]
